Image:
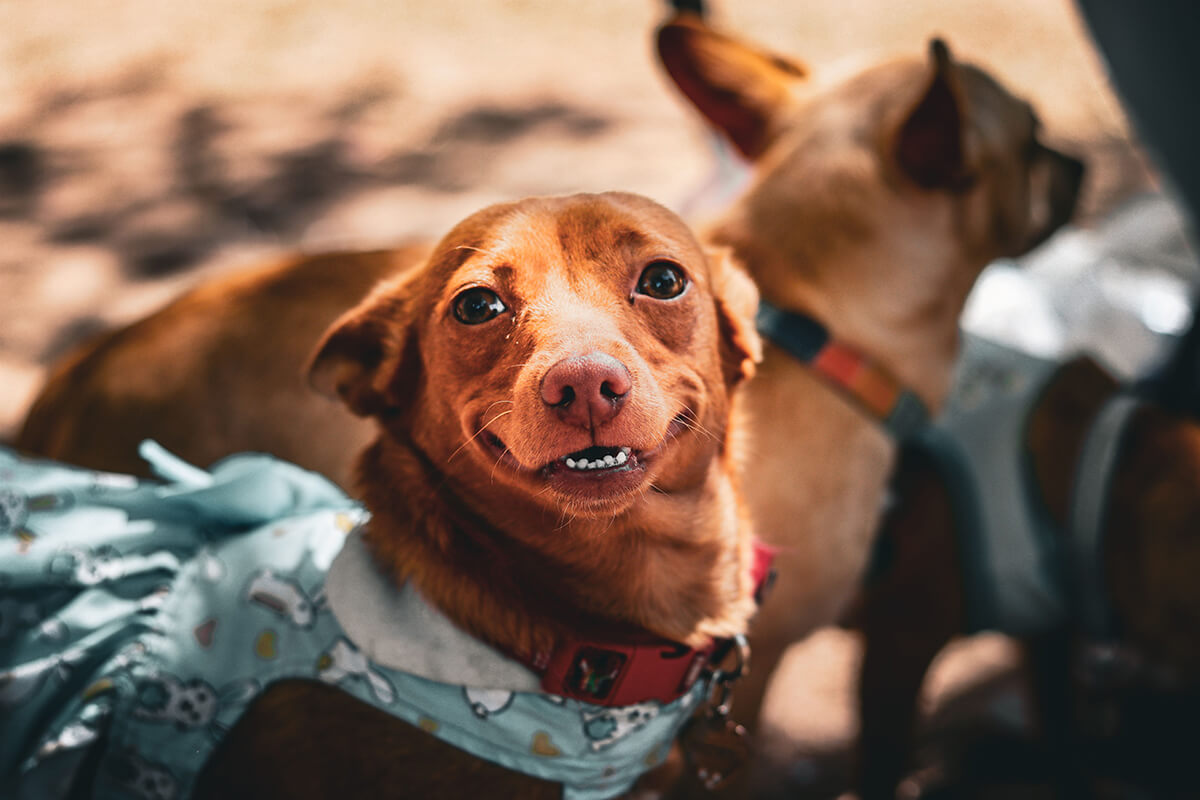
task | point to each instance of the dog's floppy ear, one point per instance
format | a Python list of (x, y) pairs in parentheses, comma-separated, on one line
[(737, 306), (929, 143), (363, 357), (738, 88)]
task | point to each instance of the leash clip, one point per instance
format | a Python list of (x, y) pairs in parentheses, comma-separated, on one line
[(713, 744), (720, 691)]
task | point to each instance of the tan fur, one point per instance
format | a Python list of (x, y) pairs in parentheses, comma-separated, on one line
[(863, 216), (217, 371)]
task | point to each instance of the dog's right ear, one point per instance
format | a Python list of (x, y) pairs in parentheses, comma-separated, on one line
[(363, 357), (738, 88), (929, 145)]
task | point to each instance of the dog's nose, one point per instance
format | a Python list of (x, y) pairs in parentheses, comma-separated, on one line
[(587, 391)]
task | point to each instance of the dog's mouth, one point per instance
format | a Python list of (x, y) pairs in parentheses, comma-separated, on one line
[(597, 470), (589, 461)]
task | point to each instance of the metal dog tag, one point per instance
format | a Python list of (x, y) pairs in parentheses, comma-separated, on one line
[(715, 748)]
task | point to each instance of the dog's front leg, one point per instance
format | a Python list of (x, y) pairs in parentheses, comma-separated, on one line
[(908, 613)]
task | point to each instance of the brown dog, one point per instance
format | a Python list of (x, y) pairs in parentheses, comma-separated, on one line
[(551, 394), (1096, 578), (875, 204)]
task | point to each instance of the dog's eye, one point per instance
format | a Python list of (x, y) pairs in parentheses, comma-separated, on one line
[(478, 305), (662, 280)]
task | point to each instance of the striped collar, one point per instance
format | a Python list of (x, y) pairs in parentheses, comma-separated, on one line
[(870, 386)]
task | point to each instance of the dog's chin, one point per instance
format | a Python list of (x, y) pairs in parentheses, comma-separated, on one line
[(594, 480)]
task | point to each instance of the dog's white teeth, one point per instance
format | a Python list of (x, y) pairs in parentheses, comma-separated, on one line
[(605, 462)]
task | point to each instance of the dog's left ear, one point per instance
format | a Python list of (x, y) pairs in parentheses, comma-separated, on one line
[(737, 305), (368, 358), (929, 144)]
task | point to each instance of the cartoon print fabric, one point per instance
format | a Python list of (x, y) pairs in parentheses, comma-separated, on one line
[(143, 617)]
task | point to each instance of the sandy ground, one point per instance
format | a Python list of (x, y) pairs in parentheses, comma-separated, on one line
[(145, 146)]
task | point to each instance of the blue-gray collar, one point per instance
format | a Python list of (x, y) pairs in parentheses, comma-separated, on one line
[(866, 383)]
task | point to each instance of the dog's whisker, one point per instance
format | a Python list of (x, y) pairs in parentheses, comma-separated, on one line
[(692, 423), (495, 466), (700, 429), (482, 428)]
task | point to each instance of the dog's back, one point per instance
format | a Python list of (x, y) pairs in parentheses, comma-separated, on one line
[(214, 373)]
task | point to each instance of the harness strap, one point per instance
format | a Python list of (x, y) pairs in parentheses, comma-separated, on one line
[(1089, 502), (872, 387)]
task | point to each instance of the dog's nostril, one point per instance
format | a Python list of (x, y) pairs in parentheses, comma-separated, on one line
[(568, 396), (607, 390)]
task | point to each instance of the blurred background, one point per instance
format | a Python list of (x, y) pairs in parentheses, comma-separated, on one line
[(145, 146)]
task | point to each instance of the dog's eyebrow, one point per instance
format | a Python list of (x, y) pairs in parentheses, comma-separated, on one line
[(477, 250)]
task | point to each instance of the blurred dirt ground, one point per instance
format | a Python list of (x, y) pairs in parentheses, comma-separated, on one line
[(145, 146)]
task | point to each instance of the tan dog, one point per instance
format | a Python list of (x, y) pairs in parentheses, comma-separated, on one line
[(551, 395), (1105, 601), (875, 204)]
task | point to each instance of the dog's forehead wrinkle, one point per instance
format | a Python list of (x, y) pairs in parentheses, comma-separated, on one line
[(600, 234)]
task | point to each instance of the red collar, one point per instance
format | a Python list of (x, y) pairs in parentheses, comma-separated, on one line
[(627, 670)]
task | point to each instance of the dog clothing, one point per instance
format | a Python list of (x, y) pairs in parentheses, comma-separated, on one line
[(143, 618), (1021, 575)]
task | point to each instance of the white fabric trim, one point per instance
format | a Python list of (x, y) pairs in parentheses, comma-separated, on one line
[(395, 627)]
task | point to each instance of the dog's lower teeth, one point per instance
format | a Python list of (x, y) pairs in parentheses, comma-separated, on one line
[(605, 462)]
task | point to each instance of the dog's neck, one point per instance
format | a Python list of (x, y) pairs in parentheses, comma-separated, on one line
[(521, 576), (894, 316), (895, 301)]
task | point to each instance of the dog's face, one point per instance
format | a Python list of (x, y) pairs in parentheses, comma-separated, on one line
[(573, 352), (922, 159)]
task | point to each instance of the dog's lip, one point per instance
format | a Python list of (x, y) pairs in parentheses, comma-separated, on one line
[(582, 463)]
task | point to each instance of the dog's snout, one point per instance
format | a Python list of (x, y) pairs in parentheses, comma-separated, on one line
[(587, 391)]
